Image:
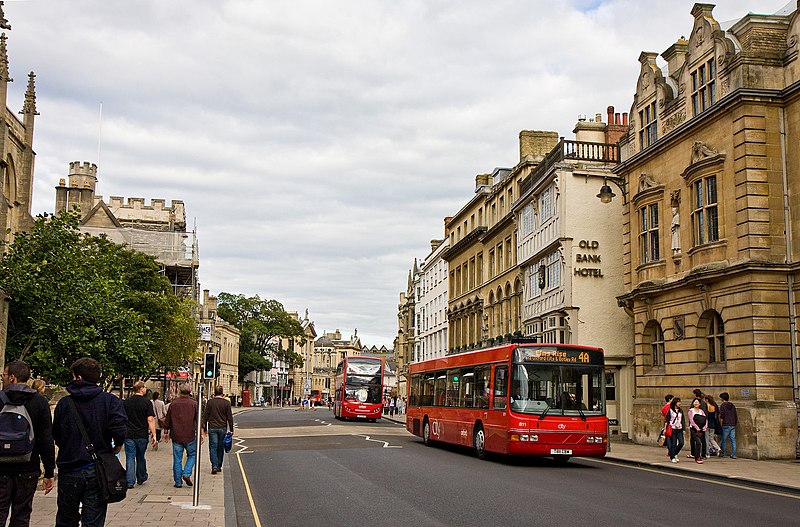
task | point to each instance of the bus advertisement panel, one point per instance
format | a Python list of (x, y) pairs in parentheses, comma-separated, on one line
[(521, 399), (359, 388)]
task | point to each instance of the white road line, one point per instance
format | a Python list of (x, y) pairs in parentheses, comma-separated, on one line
[(242, 448), (385, 443)]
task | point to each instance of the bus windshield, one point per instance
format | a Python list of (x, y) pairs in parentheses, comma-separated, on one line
[(363, 382), (557, 390)]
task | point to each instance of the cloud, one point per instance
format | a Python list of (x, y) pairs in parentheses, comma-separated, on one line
[(318, 145)]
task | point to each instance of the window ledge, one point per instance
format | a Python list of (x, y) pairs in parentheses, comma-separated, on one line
[(707, 247), (715, 367), (658, 370), (649, 265)]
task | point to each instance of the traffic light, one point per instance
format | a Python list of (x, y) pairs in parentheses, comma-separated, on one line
[(216, 371), (210, 366)]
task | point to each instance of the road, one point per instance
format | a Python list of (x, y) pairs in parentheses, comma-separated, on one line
[(305, 468)]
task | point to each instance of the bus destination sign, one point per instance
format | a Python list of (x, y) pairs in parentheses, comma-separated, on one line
[(562, 355)]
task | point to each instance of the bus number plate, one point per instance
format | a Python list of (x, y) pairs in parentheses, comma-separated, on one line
[(359, 415), (560, 451)]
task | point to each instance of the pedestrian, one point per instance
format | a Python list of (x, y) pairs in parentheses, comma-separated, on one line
[(181, 423), (18, 478), (160, 409), (698, 424), (727, 418), (700, 396), (664, 412), (141, 430), (392, 407), (79, 496), (217, 420), (38, 385), (676, 421), (714, 428)]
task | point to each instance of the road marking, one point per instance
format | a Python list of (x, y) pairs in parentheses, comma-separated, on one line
[(242, 447), (323, 422), (385, 443), (696, 478), (249, 494)]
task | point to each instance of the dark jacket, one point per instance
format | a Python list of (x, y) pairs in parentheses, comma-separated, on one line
[(217, 414), (727, 414), (39, 410), (104, 419), (182, 419)]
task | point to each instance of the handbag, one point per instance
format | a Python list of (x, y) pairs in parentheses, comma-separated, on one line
[(667, 430), (162, 423), (110, 474), (227, 443), (661, 438)]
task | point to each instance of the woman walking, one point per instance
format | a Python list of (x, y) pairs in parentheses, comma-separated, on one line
[(699, 424), (160, 409), (714, 428), (675, 420)]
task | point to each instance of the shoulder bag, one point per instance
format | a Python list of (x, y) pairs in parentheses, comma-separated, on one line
[(110, 473)]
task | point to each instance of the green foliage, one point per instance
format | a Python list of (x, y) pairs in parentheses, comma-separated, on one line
[(261, 323), (74, 295)]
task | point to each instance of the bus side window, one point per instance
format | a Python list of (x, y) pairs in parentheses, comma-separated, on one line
[(482, 384), (500, 387)]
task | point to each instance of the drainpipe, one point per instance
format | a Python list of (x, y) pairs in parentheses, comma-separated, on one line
[(790, 277)]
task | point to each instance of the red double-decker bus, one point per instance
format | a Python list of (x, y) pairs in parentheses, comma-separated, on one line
[(359, 386), (523, 398)]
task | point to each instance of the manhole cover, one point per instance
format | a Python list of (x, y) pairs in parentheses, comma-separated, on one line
[(150, 498)]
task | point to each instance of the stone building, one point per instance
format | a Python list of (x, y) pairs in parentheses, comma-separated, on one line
[(485, 284), (329, 350), (16, 164), (307, 374), (569, 252), (155, 228), (406, 333), (711, 228), (431, 304)]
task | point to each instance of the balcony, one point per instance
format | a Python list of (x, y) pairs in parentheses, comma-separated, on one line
[(568, 150)]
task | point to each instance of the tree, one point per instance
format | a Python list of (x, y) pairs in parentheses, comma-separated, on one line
[(262, 323), (73, 295)]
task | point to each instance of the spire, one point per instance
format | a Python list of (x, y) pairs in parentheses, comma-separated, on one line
[(29, 107), (4, 73), (3, 22)]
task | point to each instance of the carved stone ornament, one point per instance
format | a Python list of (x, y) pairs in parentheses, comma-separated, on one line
[(699, 37), (645, 80), (682, 88), (675, 198), (700, 151), (671, 122), (646, 181), (791, 41), (678, 328), (661, 103)]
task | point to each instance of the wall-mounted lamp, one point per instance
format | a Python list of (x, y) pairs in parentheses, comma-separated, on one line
[(607, 194)]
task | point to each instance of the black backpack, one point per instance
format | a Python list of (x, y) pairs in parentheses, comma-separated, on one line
[(700, 420), (16, 432)]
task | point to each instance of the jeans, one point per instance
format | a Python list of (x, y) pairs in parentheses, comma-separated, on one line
[(216, 446), (179, 470), (710, 440), (16, 494), (675, 442), (135, 465), (79, 490), (728, 431)]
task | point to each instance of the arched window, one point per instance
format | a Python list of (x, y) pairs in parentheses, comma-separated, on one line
[(714, 327), (654, 337)]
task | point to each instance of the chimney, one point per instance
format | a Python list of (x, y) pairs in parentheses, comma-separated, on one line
[(435, 244), (535, 144)]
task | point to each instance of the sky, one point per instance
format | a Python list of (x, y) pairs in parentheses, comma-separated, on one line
[(318, 145)]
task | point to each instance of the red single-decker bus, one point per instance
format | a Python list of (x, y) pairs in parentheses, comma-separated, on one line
[(523, 398), (359, 387)]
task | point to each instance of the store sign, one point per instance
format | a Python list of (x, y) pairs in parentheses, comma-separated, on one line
[(205, 332)]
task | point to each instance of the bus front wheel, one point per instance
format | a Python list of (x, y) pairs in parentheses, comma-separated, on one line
[(479, 442), (561, 459), (426, 434)]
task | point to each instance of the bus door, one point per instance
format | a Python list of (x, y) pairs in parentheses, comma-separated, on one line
[(497, 423)]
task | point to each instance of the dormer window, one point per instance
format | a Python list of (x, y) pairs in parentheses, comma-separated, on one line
[(704, 91), (648, 134)]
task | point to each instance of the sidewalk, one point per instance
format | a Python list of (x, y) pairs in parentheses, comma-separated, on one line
[(156, 502), (782, 474)]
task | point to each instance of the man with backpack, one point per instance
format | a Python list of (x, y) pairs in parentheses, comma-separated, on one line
[(25, 438)]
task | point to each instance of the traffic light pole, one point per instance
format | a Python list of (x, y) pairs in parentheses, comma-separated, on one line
[(198, 440)]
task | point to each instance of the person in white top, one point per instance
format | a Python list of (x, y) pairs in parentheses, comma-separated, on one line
[(676, 422)]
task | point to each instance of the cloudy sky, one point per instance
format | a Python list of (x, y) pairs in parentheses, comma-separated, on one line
[(318, 145)]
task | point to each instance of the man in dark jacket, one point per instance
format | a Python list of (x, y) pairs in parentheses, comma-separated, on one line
[(181, 428), (18, 480), (217, 420), (104, 418)]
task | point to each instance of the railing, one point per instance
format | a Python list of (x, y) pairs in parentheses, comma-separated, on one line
[(568, 150)]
